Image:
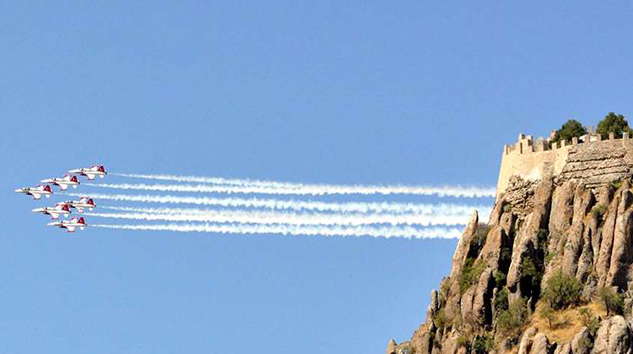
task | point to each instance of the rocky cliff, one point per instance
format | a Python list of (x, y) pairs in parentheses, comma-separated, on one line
[(537, 277)]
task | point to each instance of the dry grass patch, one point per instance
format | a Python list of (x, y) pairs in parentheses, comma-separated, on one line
[(567, 324)]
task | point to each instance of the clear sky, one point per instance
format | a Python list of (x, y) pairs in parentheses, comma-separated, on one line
[(311, 92)]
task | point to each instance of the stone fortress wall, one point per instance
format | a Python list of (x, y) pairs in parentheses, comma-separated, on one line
[(588, 158)]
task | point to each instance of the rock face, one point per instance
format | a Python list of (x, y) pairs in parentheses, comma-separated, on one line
[(578, 226), (614, 336)]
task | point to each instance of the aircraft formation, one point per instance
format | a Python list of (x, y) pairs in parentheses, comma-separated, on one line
[(65, 208)]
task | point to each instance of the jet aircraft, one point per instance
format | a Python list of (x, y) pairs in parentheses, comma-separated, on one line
[(92, 172), (54, 212), (81, 204), (37, 193), (64, 182), (70, 225)]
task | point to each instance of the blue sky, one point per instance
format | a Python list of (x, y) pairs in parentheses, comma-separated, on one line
[(327, 92)]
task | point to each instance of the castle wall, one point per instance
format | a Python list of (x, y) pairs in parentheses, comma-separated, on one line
[(588, 158)]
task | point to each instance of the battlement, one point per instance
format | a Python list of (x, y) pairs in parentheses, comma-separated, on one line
[(526, 144), (533, 159)]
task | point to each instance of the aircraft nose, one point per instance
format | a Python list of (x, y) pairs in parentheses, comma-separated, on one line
[(18, 190)]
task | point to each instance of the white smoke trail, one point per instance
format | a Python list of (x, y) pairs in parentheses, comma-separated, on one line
[(258, 217), (387, 232), (212, 180), (314, 190), (323, 189), (436, 218), (296, 205)]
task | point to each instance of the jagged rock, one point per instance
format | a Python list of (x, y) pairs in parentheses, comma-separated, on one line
[(482, 308), (435, 302), (563, 204), (606, 245), (564, 349), (527, 238), (497, 211), (568, 225), (526, 340), (574, 242), (434, 306), (613, 337), (590, 243), (621, 252), (604, 195), (491, 251), (579, 344), (421, 339), (540, 345), (506, 223), (461, 251), (391, 347)]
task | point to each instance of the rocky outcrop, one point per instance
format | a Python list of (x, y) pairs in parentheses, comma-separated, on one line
[(391, 347), (614, 336), (536, 228)]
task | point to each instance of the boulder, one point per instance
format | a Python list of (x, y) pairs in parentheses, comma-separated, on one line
[(580, 342), (525, 345), (540, 345), (613, 337)]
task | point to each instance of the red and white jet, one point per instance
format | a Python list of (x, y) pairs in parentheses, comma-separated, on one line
[(92, 172), (64, 182), (81, 204), (70, 225), (56, 211), (37, 193)]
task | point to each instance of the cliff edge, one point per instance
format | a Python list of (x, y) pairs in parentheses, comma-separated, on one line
[(552, 269)]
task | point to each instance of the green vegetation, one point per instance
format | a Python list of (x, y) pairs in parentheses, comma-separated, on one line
[(500, 278), (571, 129), (611, 300), (562, 291), (531, 273), (599, 210), (547, 313), (511, 321), (482, 344), (478, 240), (501, 301), (549, 257), (616, 184), (589, 320), (444, 290), (471, 271), (440, 319), (462, 341), (506, 254), (613, 123)]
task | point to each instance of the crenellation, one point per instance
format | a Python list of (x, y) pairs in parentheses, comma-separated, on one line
[(534, 159)]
